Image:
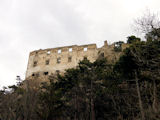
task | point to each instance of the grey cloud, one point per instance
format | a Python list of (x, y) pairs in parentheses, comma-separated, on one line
[(26, 25)]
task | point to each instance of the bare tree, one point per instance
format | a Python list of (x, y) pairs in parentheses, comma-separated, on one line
[(147, 23)]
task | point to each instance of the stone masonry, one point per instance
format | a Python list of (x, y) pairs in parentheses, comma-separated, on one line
[(53, 60)]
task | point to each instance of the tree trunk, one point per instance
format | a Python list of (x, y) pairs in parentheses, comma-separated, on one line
[(92, 110), (155, 97), (92, 102), (75, 106), (139, 97)]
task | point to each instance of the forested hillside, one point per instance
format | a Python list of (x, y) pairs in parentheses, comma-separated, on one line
[(126, 90)]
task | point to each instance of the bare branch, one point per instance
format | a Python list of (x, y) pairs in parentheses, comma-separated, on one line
[(147, 22)]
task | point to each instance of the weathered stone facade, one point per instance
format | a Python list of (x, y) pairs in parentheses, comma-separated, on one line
[(49, 61)]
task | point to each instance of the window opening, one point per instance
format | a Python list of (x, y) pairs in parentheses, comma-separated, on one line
[(118, 46), (48, 52), (70, 49), (45, 73), (57, 71), (35, 63), (59, 51), (85, 57), (58, 60), (33, 74), (70, 59), (102, 54), (85, 49), (47, 62)]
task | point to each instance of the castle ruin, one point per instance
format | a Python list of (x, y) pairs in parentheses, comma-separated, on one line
[(54, 60)]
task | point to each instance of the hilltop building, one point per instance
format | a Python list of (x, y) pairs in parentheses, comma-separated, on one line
[(50, 61)]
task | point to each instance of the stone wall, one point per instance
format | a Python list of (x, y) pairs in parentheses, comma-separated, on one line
[(49, 61)]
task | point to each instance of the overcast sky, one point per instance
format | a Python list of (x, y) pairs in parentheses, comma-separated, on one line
[(27, 25)]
